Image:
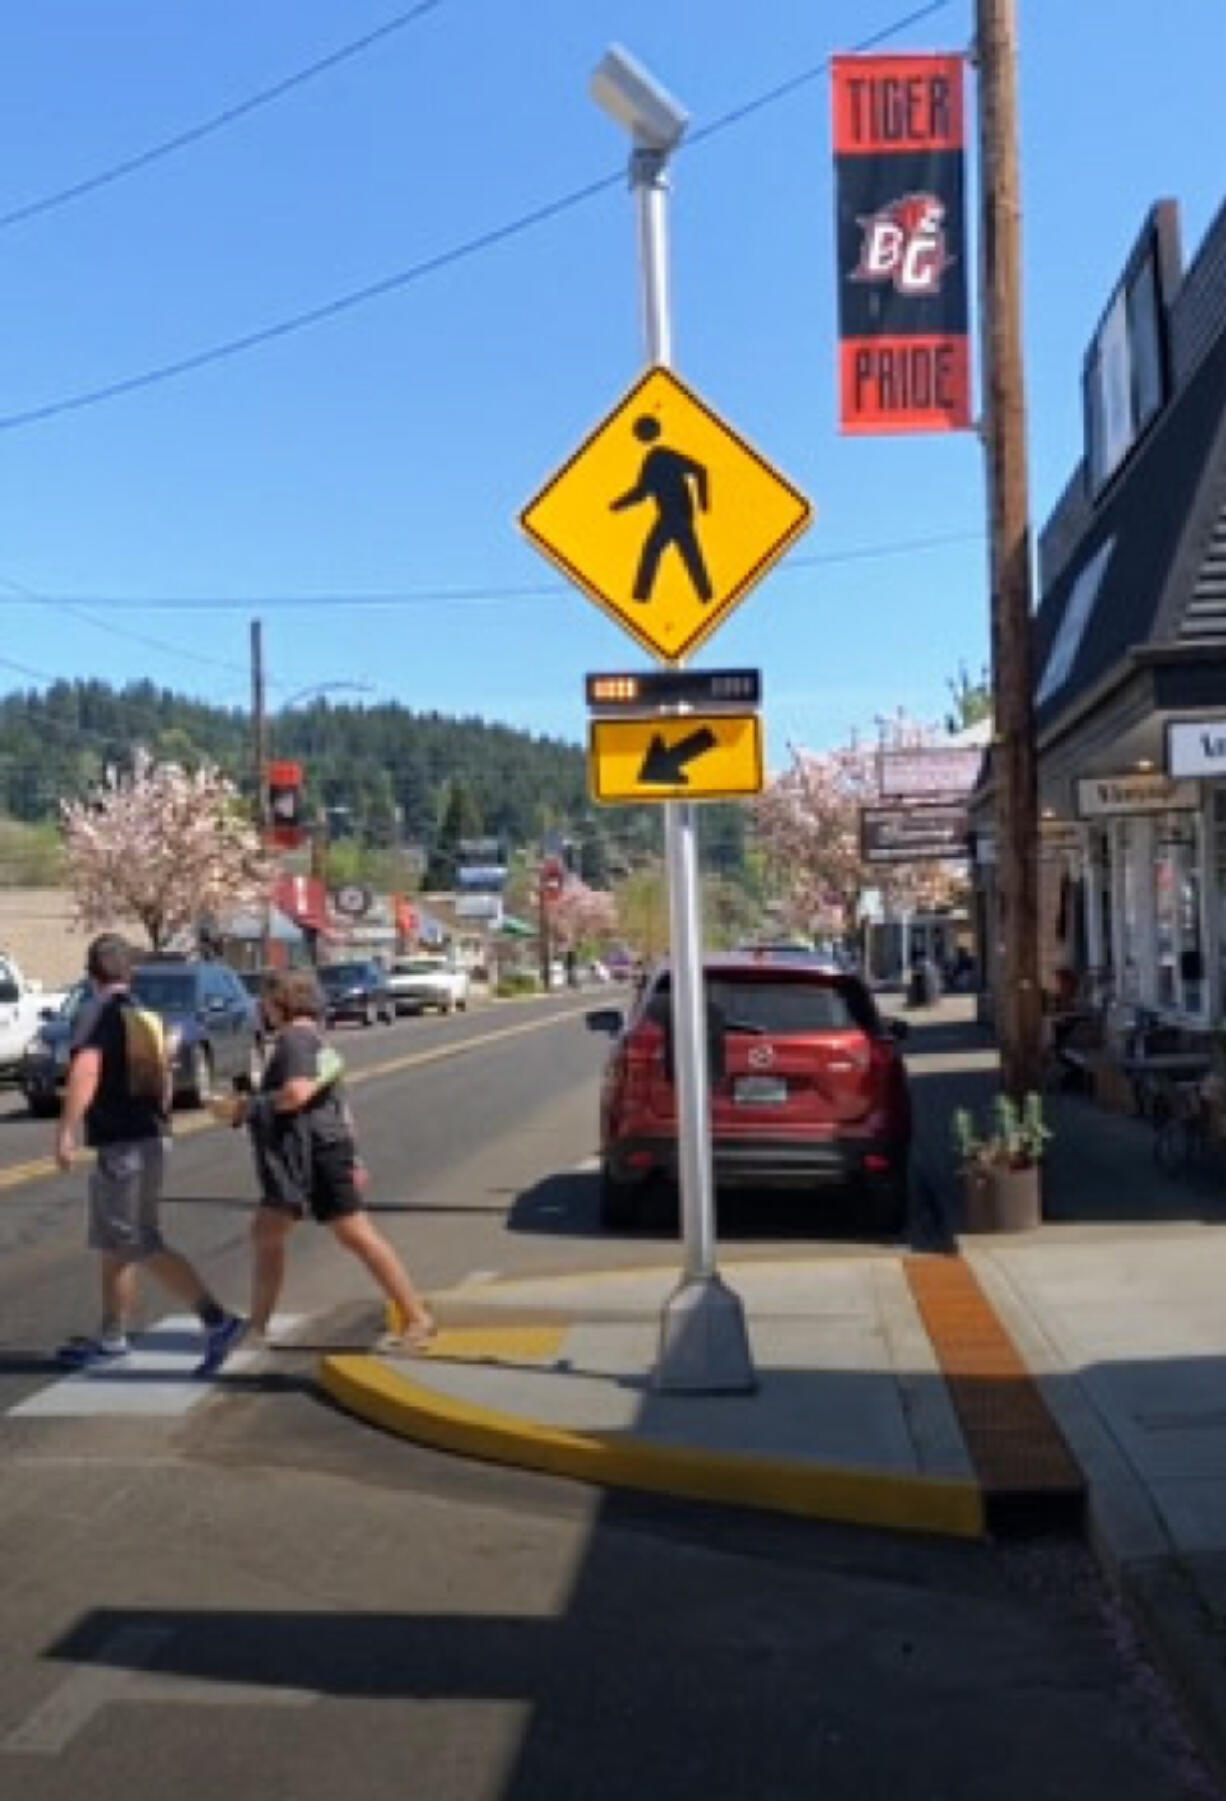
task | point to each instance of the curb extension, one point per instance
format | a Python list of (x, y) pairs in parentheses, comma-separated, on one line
[(367, 1387)]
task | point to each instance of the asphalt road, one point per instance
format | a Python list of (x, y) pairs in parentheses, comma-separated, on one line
[(259, 1597)]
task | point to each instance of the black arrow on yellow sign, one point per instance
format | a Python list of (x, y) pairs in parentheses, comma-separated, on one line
[(664, 764)]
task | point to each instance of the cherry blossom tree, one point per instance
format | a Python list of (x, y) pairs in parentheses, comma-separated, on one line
[(582, 915), (808, 824), (164, 845)]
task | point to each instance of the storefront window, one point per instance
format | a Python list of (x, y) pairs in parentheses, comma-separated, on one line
[(1179, 948)]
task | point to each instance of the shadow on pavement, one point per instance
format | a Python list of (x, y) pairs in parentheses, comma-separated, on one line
[(695, 1655), (568, 1206)]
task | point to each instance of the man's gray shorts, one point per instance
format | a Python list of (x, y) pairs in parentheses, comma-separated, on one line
[(124, 1191)]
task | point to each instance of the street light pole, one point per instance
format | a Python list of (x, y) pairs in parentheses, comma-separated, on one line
[(704, 1346)]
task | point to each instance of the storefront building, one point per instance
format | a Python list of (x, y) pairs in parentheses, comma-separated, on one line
[(1130, 657)]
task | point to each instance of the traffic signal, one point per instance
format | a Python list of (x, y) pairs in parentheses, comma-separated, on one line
[(285, 804)]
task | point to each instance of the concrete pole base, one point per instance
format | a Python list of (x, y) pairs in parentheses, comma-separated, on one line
[(704, 1346)]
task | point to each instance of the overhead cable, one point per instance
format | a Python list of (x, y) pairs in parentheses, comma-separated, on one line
[(192, 135), (487, 595), (444, 259)]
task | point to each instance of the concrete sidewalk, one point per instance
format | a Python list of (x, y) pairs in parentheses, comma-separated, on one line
[(956, 1386)]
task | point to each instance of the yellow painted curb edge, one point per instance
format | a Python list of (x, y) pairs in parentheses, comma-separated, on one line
[(376, 1393)]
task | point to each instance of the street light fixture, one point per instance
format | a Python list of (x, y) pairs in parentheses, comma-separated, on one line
[(622, 88), (319, 688)]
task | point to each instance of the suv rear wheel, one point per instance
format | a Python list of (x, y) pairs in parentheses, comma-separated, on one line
[(621, 1203)]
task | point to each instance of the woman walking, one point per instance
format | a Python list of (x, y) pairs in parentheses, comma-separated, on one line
[(306, 1159)]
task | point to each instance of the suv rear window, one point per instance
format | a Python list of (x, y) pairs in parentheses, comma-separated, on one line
[(781, 1008), (165, 991)]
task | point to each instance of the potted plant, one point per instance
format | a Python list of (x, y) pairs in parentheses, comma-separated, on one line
[(1001, 1168)]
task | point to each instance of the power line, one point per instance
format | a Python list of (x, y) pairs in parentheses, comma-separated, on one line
[(474, 597), (444, 259), (230, 114), (119, 631)]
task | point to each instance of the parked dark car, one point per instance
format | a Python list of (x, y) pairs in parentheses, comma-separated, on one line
[(43, 1069), (808, 1088), (210, 1024), (210, 1021), (357, 991)]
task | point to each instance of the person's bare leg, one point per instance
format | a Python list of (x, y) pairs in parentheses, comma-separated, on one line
[(358, 1233), (270, 1232), (118, 1294), (174, 1272)]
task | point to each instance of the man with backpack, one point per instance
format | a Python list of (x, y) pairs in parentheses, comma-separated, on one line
[(119, 1087)]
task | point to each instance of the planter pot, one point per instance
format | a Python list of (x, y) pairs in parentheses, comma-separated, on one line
[(1002, 1200)]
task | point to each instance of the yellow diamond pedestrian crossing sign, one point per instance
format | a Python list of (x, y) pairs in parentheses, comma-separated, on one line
[(666, 517)]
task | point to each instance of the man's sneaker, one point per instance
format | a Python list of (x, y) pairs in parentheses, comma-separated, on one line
[(219, 1341), (92, 1353)]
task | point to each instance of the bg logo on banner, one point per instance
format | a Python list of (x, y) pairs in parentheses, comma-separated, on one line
[(904, 345)]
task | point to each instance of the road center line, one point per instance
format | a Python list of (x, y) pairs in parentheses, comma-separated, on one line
[(41, 1167)]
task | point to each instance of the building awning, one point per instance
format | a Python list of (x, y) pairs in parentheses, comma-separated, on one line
[(305, 899), (250, 924), (515, 928)]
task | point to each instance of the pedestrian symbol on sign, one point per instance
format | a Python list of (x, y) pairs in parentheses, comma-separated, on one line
[(672, 480)]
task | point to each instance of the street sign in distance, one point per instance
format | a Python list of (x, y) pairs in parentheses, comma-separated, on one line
[(552, 880), (666, 517), (717, 756), (674, 687)]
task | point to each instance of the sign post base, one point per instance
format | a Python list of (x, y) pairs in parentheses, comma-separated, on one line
[(704, 1346)]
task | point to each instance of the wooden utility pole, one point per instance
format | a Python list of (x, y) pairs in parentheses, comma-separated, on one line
[(259, 724), (1018, 997), (259, 753)]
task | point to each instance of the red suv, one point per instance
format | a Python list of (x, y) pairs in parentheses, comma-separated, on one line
[(808, 1088)]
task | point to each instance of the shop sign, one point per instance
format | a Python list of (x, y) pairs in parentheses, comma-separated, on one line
[(487, 878), (479, 906), (913, 834), (1107, 796), (351, 901), (929, 771), (1196, 747)]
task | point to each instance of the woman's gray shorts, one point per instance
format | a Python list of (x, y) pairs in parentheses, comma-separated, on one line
[(124, 1191)]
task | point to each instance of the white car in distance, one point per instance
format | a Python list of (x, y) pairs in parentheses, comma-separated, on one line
[(418, 983)]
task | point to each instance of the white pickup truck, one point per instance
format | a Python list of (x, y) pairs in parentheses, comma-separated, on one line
[(420, 982), (21, 1004)]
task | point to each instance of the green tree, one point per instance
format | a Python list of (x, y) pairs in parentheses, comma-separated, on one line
[(972, 699), (461, 819)]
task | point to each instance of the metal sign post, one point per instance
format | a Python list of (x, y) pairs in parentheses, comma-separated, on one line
[(704, 1346)]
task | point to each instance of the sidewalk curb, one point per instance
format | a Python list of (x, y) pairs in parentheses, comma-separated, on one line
[(367, 1387)]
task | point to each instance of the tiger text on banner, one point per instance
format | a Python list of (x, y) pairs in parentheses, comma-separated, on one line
[(904, 349)]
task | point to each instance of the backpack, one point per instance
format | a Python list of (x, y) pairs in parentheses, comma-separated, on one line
[(144, 1042)]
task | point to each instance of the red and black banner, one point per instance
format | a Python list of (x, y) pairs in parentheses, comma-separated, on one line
[(904, 347)]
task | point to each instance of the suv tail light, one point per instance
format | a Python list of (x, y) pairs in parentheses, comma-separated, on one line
[(644, 1059)]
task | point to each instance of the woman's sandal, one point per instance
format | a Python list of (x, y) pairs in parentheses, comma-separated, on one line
[(413, 1341)]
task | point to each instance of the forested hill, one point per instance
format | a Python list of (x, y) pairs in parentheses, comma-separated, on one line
[(371, 760)]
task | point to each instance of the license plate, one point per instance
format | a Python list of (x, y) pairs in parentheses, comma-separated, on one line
[(760, 1091)]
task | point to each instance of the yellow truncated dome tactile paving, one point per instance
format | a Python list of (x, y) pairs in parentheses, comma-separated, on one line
[(496, 1344)]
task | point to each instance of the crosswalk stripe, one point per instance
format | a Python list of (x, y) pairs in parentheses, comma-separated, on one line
[(155, 1381)]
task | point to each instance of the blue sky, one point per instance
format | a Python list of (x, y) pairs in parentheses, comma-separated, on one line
[(388, 450)]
